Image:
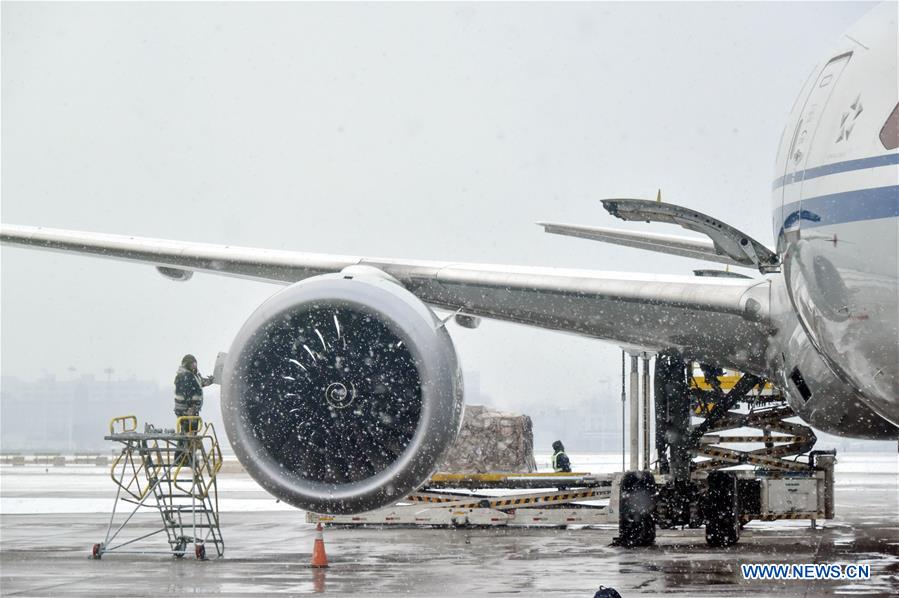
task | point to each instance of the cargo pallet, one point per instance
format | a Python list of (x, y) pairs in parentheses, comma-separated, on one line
[(174, 474), (556, 499)]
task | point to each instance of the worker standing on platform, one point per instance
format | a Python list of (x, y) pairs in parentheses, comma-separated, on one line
[(189, 394), (560, 459)]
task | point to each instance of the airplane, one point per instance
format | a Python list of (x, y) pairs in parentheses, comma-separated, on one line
[(341, 392)]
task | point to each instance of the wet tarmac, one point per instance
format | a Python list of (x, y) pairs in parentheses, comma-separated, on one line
[(268, 548)]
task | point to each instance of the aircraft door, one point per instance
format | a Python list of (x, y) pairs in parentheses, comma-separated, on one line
[(802, 140)]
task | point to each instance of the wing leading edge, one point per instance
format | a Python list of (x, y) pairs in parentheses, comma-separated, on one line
[(706, 318)]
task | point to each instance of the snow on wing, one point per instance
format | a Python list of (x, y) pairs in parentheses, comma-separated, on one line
[(723, 320)]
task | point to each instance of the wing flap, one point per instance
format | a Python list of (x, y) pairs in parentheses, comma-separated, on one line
[(728, 240), (701, 249)]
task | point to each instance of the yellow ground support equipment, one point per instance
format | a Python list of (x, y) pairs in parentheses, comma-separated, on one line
[(789, 480), (172, 472)]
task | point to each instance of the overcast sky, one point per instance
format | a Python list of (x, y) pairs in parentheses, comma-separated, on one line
[(439, 131)]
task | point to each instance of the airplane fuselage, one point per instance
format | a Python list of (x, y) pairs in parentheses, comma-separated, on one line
[(835, 204)]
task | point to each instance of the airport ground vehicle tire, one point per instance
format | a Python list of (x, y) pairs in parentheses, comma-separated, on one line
[(722, 510), (636, 522)]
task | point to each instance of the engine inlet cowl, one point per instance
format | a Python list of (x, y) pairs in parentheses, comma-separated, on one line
[(341, 393)]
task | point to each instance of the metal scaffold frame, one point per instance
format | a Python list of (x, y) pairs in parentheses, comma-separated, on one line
[(174, 472)]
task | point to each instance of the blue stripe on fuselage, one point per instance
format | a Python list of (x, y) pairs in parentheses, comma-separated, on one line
[(836, 167), (839, 208)]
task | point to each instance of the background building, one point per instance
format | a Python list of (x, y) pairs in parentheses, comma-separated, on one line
[(53, 414), (71, 413)]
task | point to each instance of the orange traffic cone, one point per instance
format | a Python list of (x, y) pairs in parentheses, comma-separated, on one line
[(319, 558)]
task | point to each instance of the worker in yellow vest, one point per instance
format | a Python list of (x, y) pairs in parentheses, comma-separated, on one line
[(560, 459)]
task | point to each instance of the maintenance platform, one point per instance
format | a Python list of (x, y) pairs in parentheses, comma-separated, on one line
[(173, 472)]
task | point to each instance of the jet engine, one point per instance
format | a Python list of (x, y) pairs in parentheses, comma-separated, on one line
[(341, 392)]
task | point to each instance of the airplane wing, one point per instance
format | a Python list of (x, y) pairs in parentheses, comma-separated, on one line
[(707, 318)]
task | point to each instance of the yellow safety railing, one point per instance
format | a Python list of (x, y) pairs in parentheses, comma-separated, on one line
[(136, 477), (727, 382), (123, 421), (187, 419), (207, 451), (134, 486)]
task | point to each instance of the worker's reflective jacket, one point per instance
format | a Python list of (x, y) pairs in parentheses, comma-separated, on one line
[(561, 462), (188, 392)]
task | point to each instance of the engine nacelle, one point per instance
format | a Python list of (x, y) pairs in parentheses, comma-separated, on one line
[(341, 393)]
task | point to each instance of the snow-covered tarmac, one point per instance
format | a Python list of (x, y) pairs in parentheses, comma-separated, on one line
[(49, 518)]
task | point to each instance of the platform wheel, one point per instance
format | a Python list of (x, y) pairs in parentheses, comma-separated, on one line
[(200, 551), (722, 510), (96, 551), (637, 502), (180, 549)]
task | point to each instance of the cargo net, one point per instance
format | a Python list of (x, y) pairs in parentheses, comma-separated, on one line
[(742, 420), (173, 472)]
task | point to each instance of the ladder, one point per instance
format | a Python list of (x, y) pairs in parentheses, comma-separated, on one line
[(173, 472)]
